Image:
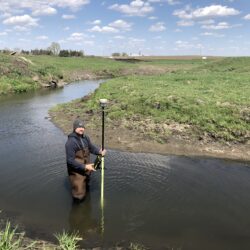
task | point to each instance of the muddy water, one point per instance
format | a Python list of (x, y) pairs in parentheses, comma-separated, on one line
[(163, 202)]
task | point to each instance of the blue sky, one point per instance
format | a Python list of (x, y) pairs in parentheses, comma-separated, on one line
[(152, 27)]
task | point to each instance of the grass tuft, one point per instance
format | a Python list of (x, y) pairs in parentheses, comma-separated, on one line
[(136, 246), (68, 241)]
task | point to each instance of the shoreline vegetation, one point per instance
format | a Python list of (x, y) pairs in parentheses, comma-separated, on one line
[(22, 73), (11, 238), (193, 108), (168, 105)]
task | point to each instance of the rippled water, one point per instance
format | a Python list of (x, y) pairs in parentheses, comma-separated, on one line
[(163, 202)]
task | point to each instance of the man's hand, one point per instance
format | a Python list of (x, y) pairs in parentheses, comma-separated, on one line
[(89, 167), (102, 152)]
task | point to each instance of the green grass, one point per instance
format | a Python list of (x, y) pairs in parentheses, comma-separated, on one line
[(136, 246), (10, 239), (68, 241), (210, 98), (17, 72), (7, 240)]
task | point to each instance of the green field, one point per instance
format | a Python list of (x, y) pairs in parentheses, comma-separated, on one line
[(212, 98), (21, 73), (149, 95), (18, 73)]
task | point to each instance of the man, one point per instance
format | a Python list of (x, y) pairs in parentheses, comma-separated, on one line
[(78, 148)]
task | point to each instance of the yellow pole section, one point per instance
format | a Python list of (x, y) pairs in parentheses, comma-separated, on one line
[(102, 196)]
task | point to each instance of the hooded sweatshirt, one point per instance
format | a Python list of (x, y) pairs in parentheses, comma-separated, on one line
[(78, 149)]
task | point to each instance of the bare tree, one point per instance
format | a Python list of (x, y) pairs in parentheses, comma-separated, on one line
[(54, 48)]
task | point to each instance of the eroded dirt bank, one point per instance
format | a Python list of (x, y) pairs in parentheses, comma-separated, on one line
[(117, 136)]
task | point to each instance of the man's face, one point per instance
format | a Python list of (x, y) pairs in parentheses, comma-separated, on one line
[(79, 131)]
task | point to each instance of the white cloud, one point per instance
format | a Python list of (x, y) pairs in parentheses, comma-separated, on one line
[(136, 40), (212, 34), (121, 25), (114, 27), (247, 17), (185, 23), (5, 15), (3, 33), (62, 41), (66, 28), (67, 17), (21, 28), (173, 2), (181, 44), (206, 22), (119, 37), (219, 26), (135, 8), (42, 38), (157, 37), (96, 22), (158, 27), (153, 18), (104, 29), (206, 12), (72, 4), (90, 43), (76, 37), (23, 40), (44, 11), (135, 43), (40, 6), (170, 2), (24, 20), (187, 45)]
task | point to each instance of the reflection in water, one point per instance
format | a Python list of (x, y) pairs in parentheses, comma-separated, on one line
[(81, 219)]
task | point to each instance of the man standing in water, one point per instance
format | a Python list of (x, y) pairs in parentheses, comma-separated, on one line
[(78, 148)]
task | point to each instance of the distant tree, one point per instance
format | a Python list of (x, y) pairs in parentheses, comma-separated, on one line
[(64, 53), (82, 53), (41, 52), (6, 51), (25, 52), (76, 53), (124, 54), (54, 48), (18, 50), (116, 54)]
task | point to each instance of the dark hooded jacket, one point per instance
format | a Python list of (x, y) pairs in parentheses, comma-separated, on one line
[(78, 149)]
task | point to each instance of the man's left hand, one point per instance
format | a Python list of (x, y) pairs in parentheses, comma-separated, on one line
[(102, 152)]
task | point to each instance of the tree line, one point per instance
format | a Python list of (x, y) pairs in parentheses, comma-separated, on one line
[(53, 50)]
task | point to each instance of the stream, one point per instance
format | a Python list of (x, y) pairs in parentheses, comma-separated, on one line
[(162, 202)]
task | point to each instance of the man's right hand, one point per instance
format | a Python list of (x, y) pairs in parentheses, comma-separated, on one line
[(89, 167)]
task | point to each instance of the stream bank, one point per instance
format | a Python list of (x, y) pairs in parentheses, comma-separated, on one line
[(122, 138)]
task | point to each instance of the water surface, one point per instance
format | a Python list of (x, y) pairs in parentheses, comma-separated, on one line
[(163, 202)]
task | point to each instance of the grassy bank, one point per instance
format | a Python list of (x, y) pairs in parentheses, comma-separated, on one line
[(23, 73), (208, 102), (19, 73), (12, 239)]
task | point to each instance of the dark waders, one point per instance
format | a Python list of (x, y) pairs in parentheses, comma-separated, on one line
[(78, 181)]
